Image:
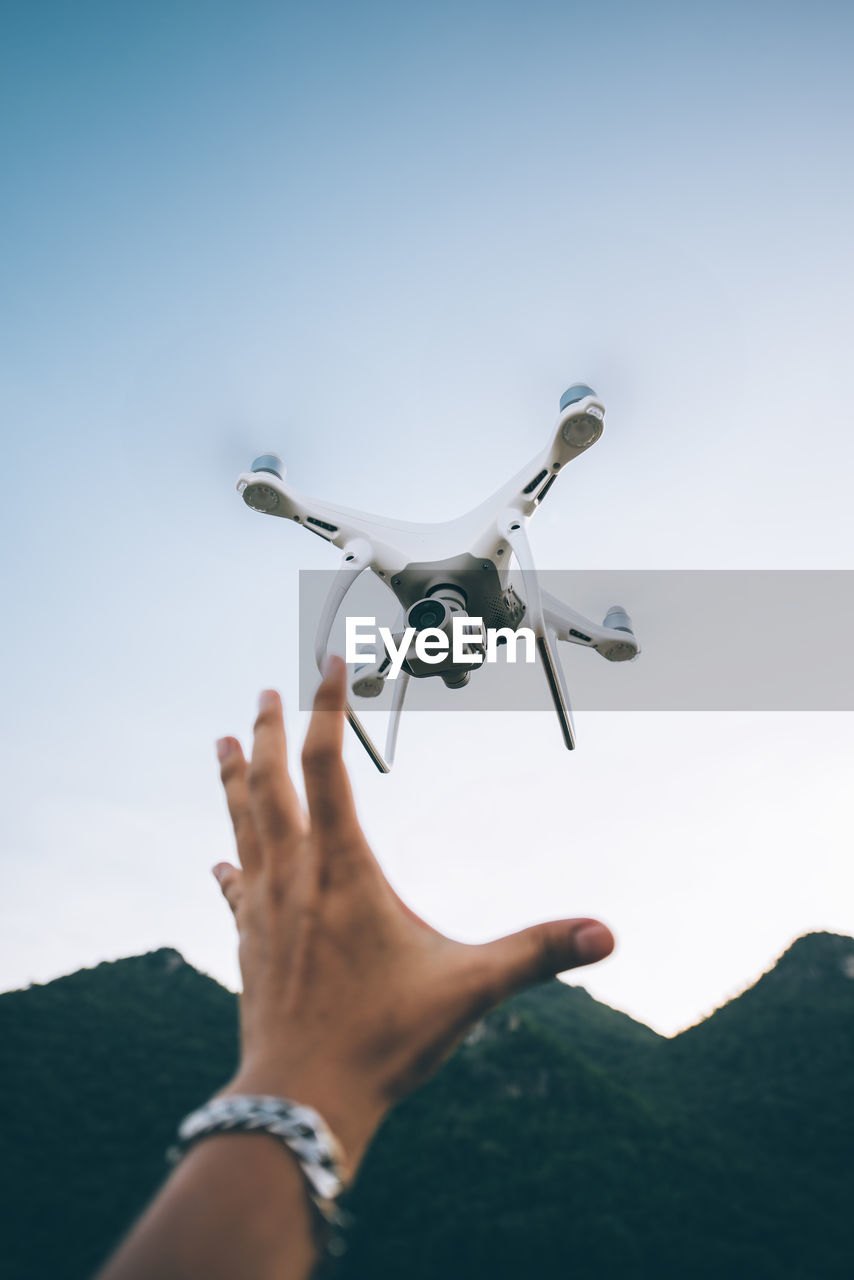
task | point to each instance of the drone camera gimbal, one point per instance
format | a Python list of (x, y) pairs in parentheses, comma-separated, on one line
[(441, 574)]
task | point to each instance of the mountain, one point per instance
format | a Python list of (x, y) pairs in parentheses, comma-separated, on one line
[(563, 1138), (95, 1068)]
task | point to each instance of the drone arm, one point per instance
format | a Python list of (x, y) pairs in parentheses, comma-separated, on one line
[(568, 624), (578, 427), (513, 530), (613, 639), (266, 491)]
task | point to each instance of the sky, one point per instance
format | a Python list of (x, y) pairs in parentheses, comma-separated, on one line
[(380, 240)]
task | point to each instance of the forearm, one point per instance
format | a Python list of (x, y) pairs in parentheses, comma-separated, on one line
[(235, 1208)]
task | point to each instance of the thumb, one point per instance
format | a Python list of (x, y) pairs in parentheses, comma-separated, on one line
[(230, 880), (543, 950)]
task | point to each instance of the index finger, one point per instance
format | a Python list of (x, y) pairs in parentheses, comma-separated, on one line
[(327, 787)]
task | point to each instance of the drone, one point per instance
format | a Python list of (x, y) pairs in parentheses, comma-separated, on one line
[(443, 574)]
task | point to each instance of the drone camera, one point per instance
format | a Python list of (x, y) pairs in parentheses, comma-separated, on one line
[(427, 613), (456, 679), (436, 612)]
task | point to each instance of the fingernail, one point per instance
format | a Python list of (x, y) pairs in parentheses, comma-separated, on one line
[(267, 698), (592, 942), (224, 747), (331, 663), (218, 872)]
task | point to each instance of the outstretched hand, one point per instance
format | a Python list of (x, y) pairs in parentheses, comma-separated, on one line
[(349, 999)]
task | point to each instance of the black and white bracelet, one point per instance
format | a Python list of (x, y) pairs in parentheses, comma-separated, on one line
[(301, 1129)]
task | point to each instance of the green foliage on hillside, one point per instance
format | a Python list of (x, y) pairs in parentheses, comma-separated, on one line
[(95, 1069), (562, 1138)]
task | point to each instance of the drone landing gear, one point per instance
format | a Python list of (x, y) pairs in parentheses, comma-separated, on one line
[(536, 619), (357, 558)]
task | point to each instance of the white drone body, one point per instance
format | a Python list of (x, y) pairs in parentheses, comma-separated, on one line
[(439, 571)]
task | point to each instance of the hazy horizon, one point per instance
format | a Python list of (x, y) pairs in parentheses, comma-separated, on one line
[(576, 979)]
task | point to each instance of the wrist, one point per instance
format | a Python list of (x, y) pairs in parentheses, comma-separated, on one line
[(300, 1129), (352, 1118)]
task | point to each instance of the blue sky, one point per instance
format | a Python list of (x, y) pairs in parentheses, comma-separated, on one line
[(381, 240)]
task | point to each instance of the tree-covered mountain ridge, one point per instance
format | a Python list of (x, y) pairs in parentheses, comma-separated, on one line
[(563, 1137)]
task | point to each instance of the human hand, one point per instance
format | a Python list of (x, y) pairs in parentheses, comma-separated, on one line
[(349, 999)]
